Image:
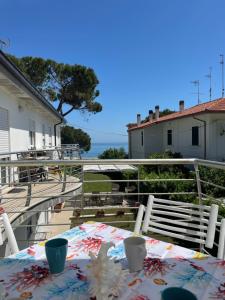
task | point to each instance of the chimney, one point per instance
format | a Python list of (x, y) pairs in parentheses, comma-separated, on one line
[(138, 119), (156, 112), (150, 115), (181, 105)]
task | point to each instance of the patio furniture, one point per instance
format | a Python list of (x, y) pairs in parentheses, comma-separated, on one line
[(139, 219), (181, 220), (27, 274), (12, 243), (221, 245)]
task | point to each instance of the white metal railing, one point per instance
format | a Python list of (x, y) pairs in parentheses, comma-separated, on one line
[(31, 204)]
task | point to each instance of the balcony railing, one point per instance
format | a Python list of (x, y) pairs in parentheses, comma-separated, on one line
[(45, 197)]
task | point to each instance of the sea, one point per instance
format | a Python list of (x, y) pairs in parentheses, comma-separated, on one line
[(99, 148)]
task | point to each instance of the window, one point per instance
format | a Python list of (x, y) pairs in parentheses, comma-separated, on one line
[(142, 138), (169, 137), (50, 136), (32, 133), (195, 136), (43, 135)]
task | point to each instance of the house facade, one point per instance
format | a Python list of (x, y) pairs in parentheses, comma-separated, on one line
[(198, 131), (27, 119)]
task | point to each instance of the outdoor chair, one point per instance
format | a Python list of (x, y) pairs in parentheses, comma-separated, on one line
[(181, 220), (139, 219), (12, 243), (221, 245)]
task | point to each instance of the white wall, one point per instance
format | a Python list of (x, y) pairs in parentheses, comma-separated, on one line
[(136, 149), (153, 139), (19, 118)]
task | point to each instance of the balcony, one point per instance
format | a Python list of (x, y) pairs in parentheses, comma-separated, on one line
[(66, 192)]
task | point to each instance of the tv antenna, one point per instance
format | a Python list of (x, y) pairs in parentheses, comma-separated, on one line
[(222, 72), (4, 43), (197, 84), (210, 82)]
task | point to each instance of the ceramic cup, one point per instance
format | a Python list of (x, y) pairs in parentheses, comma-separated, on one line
[(135, 252), (56, 250), (176, 293)]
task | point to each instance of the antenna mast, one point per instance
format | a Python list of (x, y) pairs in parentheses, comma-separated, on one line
[(197, 83), (222, 73), (4, 43), (210, 82)]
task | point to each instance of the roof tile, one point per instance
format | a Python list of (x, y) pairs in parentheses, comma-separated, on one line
[(217, 105)]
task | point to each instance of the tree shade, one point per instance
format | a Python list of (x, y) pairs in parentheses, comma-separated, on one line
[(70, 86), (70, 135)]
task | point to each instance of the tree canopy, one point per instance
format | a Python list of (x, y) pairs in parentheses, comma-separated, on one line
[(113, 153), (71, 135), (71, 86), (162, 113)]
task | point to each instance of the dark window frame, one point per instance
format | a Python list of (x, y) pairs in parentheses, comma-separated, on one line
[(169, 137), (142, 138), (195, 136)]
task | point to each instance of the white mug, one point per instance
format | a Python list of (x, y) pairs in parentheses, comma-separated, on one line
[(135, 252)]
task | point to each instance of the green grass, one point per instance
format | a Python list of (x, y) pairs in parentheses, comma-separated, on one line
[(97, 186)]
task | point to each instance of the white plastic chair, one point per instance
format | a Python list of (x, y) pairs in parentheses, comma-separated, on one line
[(181, 220), (221, 245), (12, 243), (139, 219)]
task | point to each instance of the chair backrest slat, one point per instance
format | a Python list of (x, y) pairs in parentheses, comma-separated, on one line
[(182, 216), (176, 229), (185, 204), (180, 210), (180, 222), (194, 223)]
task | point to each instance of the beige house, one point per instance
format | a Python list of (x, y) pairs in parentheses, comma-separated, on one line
[(198, 131)]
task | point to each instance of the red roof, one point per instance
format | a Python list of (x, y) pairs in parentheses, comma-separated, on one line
[(217, 105)]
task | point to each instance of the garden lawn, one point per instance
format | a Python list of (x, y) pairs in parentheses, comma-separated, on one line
[(90, 187)]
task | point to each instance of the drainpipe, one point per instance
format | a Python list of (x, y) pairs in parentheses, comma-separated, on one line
[(55, 129), (204, 122)]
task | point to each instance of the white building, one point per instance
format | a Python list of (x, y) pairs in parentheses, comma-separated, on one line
[(27, 119), (198, 131)]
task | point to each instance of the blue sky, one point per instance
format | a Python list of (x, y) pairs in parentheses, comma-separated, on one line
[(144, 52)]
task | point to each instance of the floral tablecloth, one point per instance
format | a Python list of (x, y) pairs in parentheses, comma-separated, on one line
[(26, 274)]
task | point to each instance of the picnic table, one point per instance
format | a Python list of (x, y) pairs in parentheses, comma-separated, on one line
[(26, 274)]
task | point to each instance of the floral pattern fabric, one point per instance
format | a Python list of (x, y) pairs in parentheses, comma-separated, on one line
[(26, 275)]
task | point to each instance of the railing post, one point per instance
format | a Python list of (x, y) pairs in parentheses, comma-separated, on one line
[(64, 179), (199, 188), (29, 186), (82, 186), (138, 184)]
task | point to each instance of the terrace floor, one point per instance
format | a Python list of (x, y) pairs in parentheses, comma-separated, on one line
[(14, 200)]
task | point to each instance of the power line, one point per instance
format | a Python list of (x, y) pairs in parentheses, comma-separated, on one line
[(99, 131)]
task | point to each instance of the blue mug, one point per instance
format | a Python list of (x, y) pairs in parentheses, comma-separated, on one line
[(56, 250), (176, 293)]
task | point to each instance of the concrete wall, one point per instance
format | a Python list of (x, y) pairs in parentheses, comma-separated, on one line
[(20, 116)]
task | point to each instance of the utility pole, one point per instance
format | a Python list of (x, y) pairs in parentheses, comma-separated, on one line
[(197, 83), (222, 72), (210, 82)]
